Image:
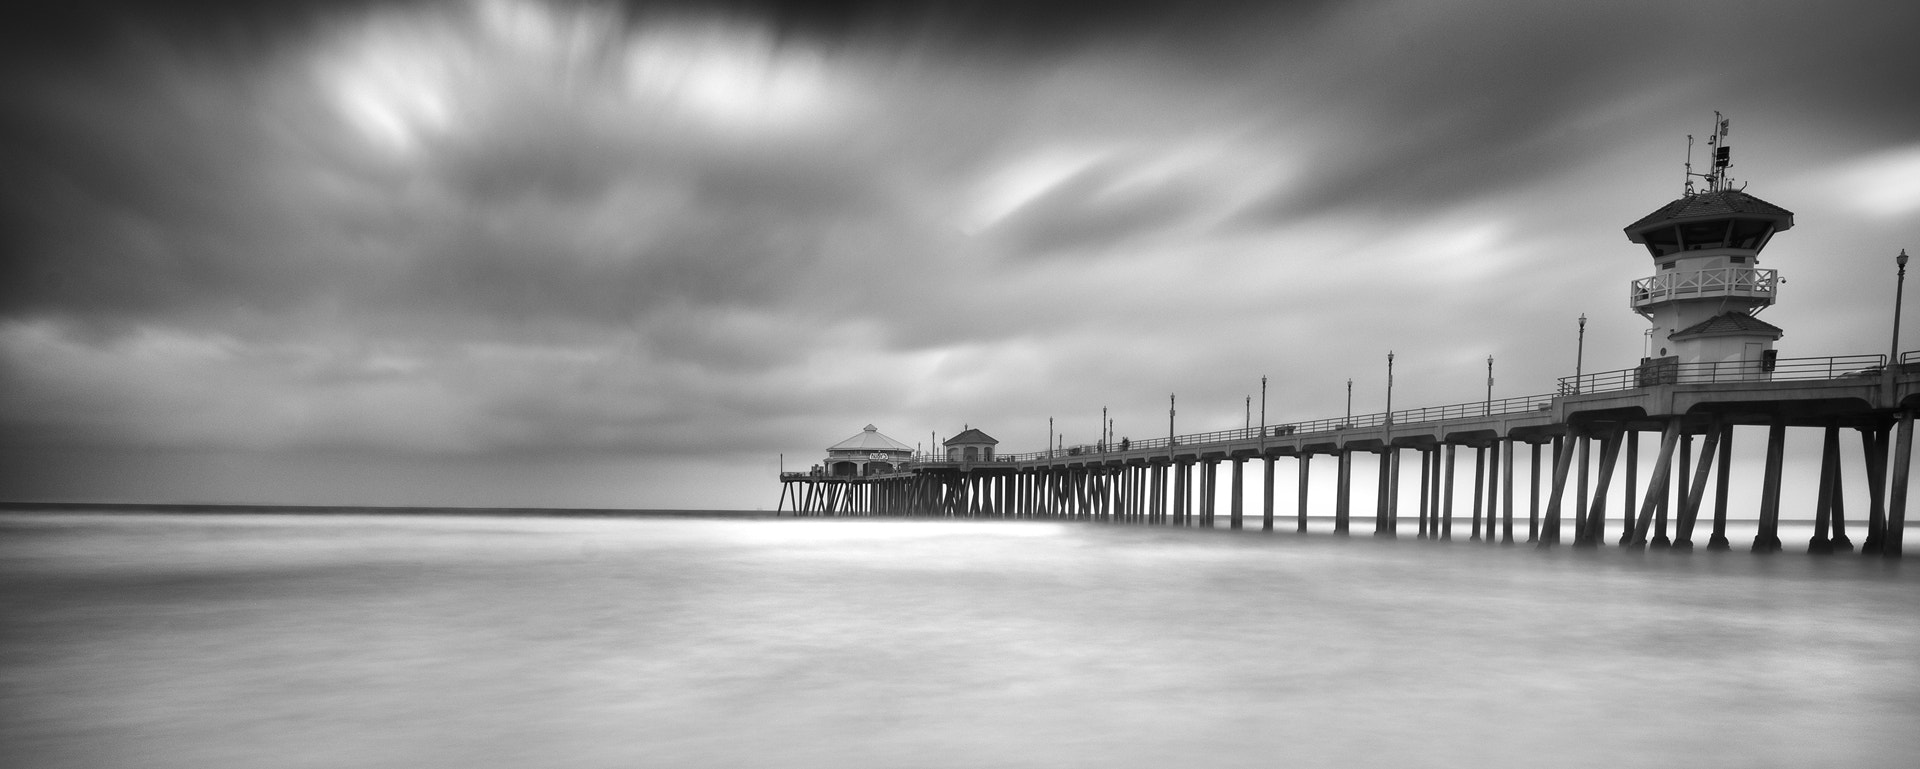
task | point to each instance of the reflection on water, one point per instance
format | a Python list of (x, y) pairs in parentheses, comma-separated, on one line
[(249, 641)]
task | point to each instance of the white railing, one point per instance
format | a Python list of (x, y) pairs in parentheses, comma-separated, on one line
[(1711, 282)]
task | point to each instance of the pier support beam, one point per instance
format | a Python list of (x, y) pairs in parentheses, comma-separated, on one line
[(1266, 496), (1696, 491), (1446, 496), (1596, 528), (1723, 475), (1235, 514), (1383, 497), (1662, 469), (1873, 450), (1479, 487), (1506, 496), (1533, 495), (1426, 496), (1300, 510), (1820, 543), (1562, 462), (1768, 539), (1897, 502), (1343, 492)]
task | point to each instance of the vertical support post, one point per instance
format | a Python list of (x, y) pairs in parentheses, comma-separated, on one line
[(1697, 490), (1209, 491), (1873, 450), (1381, 495), (1632, 486), (1662, 469), (1426, 497), (1585, 443), (1493, 486), (1266, 496), (1446, 496), (1562, 462), (1897, 497), (1239, 486), (1506, 498), (1479, 487), (1768, 539), (1820, 543), (1722, 479), (1595, 530), (1393, 494), (1667, 488), (1533, 493), (1343, 492), (1300, 510)]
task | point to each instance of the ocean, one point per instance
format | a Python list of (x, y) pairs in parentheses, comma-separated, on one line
[(143, 639)]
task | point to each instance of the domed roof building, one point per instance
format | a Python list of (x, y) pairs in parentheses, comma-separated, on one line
[(868, 453)]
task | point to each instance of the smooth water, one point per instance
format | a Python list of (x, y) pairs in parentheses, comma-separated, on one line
[(373, 641)]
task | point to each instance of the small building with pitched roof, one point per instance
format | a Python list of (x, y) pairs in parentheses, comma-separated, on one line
[(869, 453), (971, 445)]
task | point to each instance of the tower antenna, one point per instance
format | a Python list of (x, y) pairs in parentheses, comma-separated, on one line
[(1688, 187)]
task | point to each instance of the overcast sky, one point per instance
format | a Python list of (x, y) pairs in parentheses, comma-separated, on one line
[(627, 255)]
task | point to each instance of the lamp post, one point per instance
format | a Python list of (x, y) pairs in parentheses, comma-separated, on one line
[(1349, 421), (1049, 437), (1900, 288), (1389, 387), (1580, 354), (1487, 408)]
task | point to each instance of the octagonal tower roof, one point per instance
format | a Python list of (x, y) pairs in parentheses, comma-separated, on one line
[(1718, 204)]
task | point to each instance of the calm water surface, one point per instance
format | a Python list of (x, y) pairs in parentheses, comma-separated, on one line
[(332, 641)]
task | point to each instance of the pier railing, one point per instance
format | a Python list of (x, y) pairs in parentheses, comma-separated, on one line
[(1645, 375), (1656, 372), (1458, 411)]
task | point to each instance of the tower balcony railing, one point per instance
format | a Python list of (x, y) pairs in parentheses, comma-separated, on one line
[(1712, 282)]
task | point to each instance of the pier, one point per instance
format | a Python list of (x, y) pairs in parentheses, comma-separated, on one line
[(1172, 480), (1716, 370)]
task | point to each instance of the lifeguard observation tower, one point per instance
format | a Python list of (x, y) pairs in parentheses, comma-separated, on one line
[(1707, 285)]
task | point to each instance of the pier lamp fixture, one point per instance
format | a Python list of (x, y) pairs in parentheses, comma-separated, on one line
[(1580, 354), (1486, 408), (1349, 420), (1899, 291), (1263, 415), (1389, 387)]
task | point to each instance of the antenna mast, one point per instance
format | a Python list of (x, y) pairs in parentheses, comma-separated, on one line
[(1720, 153)]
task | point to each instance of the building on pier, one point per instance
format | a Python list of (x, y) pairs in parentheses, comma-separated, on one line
[(1707, 284), (970, 445), (868, 453)]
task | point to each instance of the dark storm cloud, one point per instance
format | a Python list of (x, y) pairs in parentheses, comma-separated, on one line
[(1433, 105), (701, 230)]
